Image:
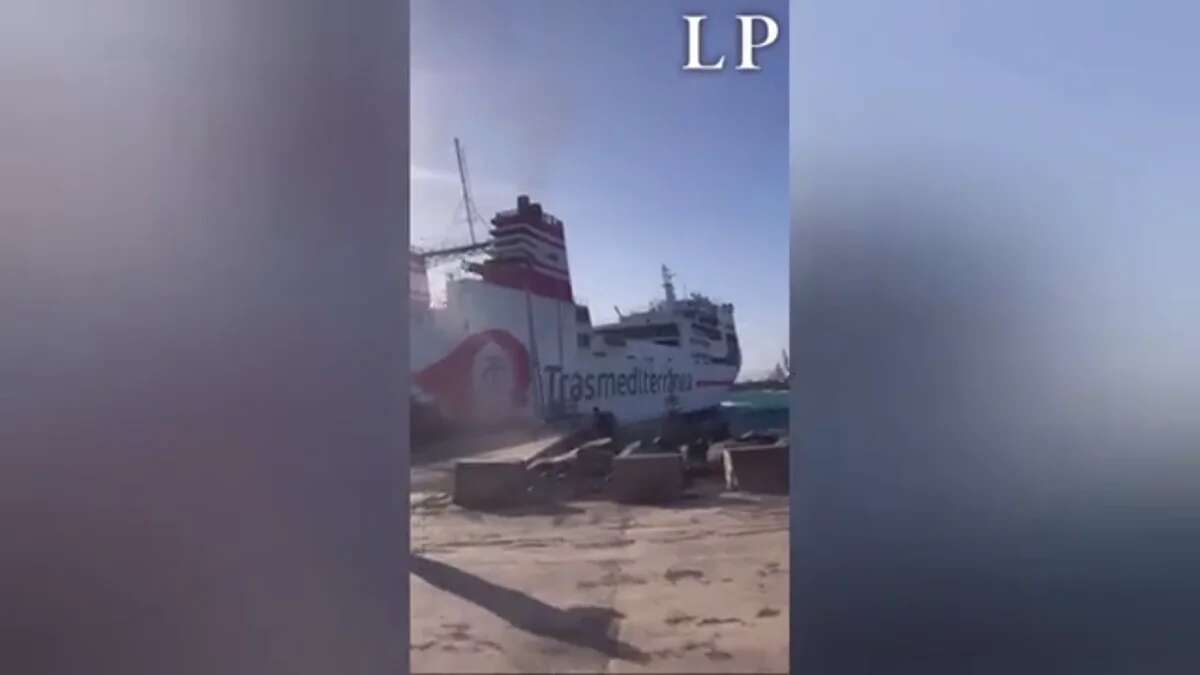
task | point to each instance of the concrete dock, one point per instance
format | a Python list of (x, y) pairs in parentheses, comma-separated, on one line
[(433, 467), (699, 585)]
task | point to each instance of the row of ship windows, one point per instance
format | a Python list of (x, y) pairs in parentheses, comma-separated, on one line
[(696, 358), (618, 339), (585, 342)]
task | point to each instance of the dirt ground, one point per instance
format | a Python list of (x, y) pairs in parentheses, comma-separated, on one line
[(593, 586)]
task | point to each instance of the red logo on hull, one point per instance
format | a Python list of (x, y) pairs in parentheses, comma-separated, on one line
[(462, 381)]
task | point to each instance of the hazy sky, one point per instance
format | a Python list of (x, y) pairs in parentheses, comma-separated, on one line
[(584, 106), (1089, 94)]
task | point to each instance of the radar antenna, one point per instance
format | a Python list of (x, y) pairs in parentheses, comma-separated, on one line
[(668, 287)]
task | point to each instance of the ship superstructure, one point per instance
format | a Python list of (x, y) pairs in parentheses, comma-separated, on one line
[(697, 325)]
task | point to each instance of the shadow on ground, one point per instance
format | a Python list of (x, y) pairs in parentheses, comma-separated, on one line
[(589, 627)]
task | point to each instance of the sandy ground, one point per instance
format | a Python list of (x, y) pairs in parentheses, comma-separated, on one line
[(592, 586)]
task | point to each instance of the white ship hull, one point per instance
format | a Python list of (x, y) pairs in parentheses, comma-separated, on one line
[(518, 351)]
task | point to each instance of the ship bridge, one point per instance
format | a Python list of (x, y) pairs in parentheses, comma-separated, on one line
[(704, 328)]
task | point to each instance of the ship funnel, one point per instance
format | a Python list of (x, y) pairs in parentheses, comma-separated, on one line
[(529, 252)]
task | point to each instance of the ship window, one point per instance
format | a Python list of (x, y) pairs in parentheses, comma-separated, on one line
[(645, 332), (585, 341)]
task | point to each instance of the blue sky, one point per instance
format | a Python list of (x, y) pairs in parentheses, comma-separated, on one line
[(584, 106)]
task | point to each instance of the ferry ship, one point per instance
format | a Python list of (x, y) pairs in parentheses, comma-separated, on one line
[(511, 343)]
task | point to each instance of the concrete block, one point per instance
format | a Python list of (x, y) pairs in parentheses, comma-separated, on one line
[(647, 478), (560, 444), (594, 460), (761, 437), (601, 442), (761, 468), (632, 449), (496, 484)]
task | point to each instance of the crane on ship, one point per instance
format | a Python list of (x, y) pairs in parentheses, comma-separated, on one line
[(437, 255)]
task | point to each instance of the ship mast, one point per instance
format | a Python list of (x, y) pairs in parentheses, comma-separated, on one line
[(468, 203), (430, 256), (668, 287)]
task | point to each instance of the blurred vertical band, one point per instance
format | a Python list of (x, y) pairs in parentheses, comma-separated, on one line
[(994, 339), (203, 440)]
